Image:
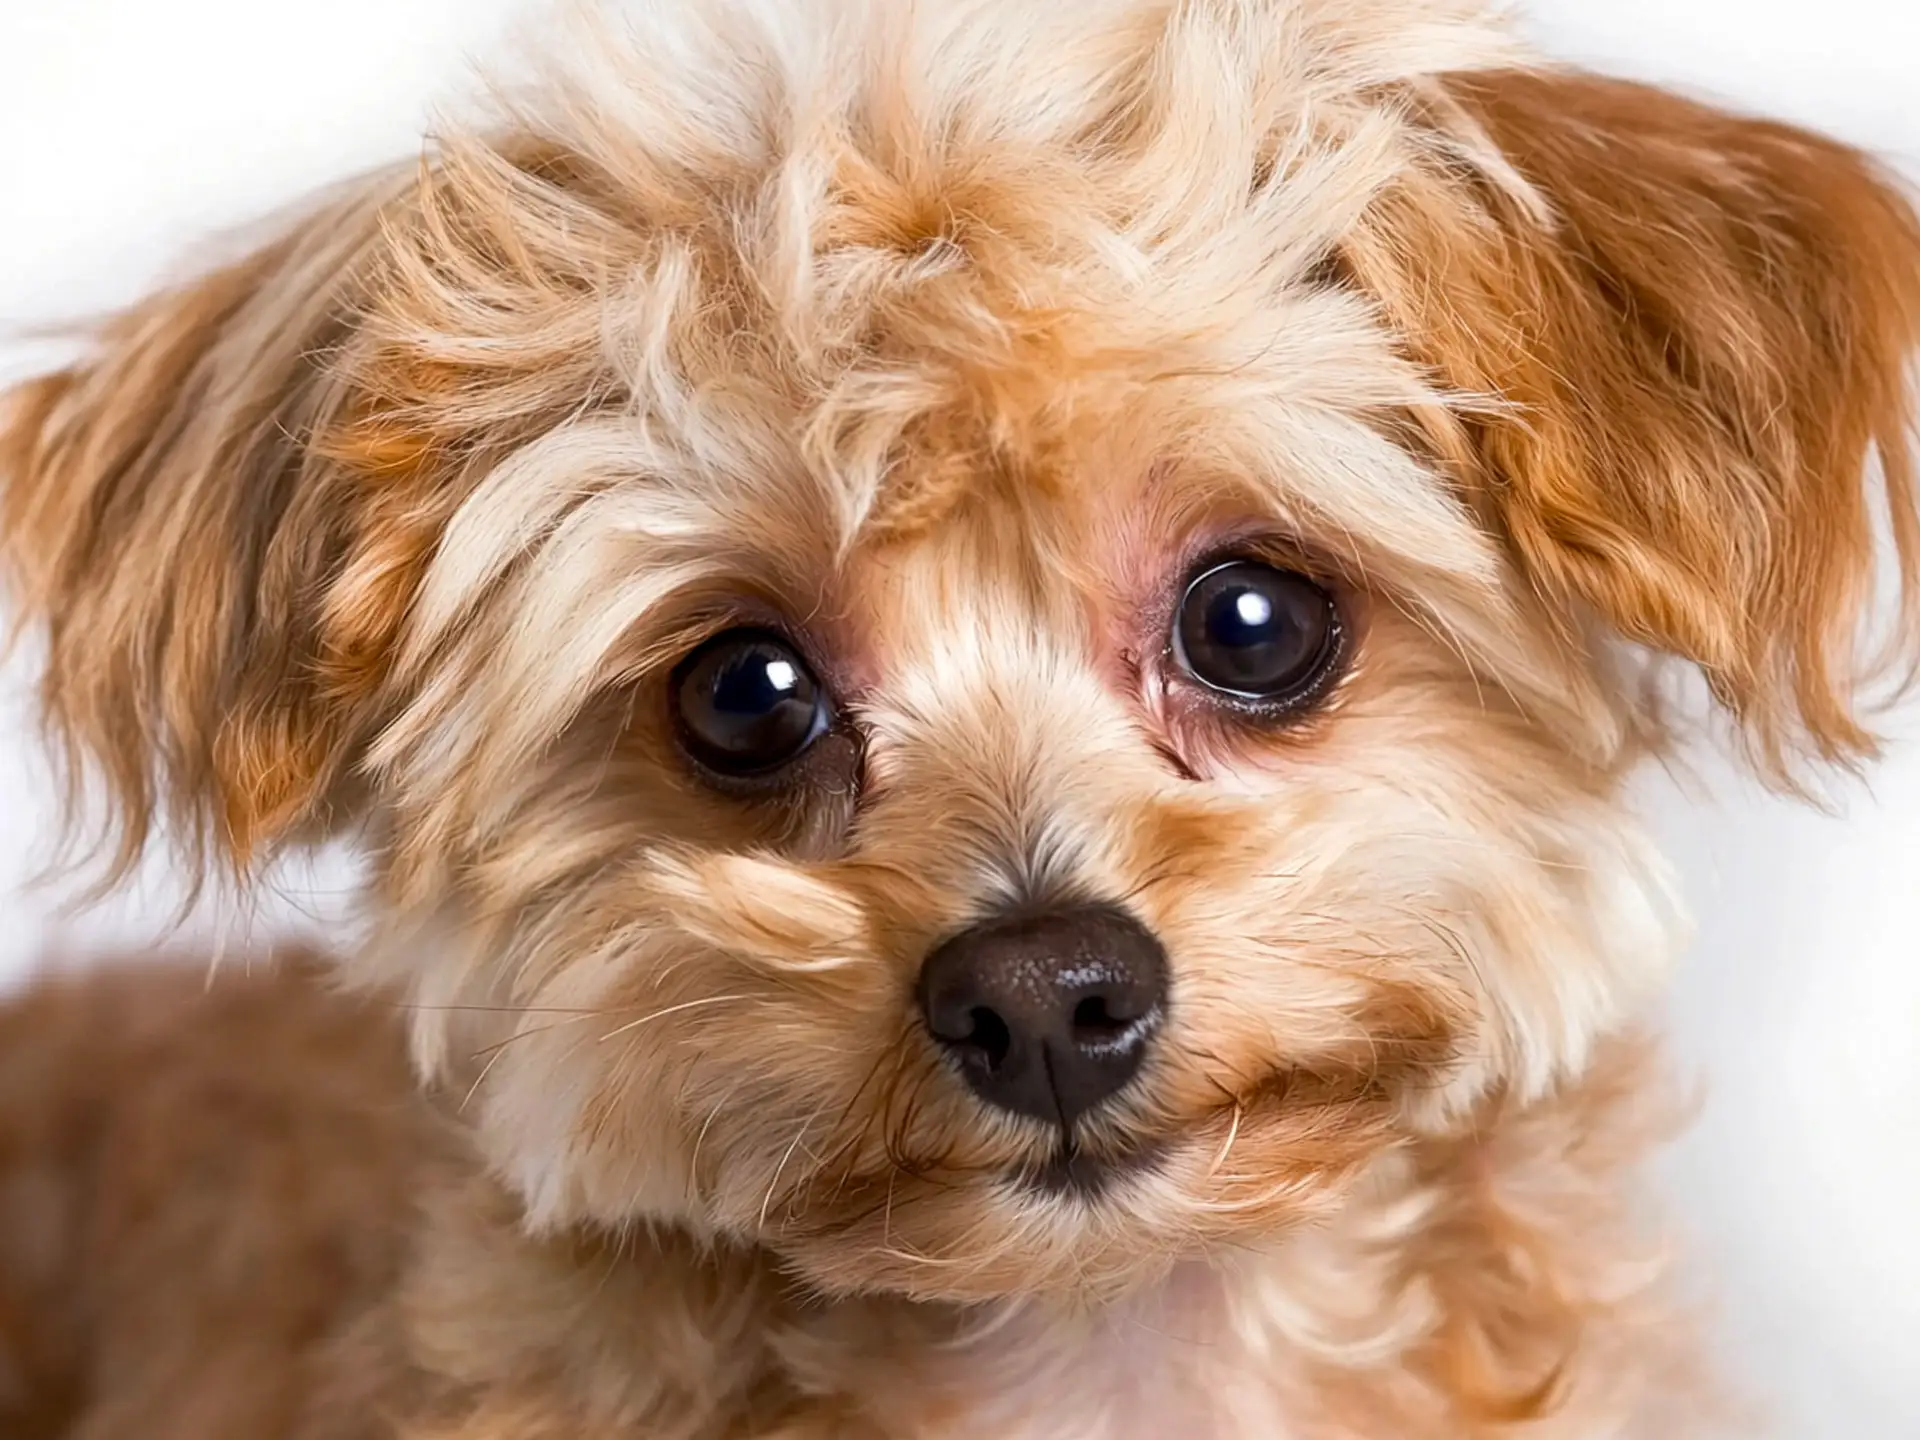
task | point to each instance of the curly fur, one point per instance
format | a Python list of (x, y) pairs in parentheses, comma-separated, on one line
[(950, 337)]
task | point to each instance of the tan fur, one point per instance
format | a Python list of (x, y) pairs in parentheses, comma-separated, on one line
[(203, 1181), (949, 339), (1701, 325)]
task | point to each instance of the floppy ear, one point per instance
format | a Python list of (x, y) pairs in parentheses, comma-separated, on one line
[(1697, 329), (221, 517), (166, 520)]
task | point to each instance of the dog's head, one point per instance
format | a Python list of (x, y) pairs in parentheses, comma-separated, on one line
[(979, 642)]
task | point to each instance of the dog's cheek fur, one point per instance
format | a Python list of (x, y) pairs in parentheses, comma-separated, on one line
[(1483, 884)]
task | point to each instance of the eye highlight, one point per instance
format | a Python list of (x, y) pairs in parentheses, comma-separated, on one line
[(747, 704), (1258, 635)]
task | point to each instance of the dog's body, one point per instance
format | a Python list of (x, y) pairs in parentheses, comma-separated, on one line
[(978, 652)]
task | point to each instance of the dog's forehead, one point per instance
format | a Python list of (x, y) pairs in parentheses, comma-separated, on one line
[(1059, 420), (948, 315), (1004, 378), (1042, 477), (1048, 554)]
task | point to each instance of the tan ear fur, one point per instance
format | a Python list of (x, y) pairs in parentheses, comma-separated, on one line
[(162, 519), (1697, 329), (221, 516)]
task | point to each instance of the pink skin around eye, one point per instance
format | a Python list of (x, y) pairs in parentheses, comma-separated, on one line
[(1136, 587), (1150, 556)]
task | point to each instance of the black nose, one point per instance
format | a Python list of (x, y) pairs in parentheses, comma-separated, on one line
[(1047, 1014)]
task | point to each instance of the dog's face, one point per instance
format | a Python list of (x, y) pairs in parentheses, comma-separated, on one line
[(975, 647)]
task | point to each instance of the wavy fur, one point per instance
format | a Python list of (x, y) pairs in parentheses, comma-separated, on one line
[(949, 337)]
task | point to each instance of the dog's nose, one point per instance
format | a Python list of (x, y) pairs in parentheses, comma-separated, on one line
[(1050, 1013)]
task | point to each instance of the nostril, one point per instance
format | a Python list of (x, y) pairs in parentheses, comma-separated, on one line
[(1099, 1023), (989, 1036), (1093, 1020)]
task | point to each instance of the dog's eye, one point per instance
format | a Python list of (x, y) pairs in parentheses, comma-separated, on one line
[(1258, 634), (747, 703)]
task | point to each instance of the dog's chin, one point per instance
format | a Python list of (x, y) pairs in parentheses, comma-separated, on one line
[(1072, 1229), (1074, 1223), (1077, 1171)]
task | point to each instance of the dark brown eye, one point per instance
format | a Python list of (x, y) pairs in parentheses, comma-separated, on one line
[(748, 704), (1257, 634)]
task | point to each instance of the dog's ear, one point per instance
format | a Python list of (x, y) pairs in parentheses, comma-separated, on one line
[(148, 518), (1695, 330), (202, 566), (221, 517)]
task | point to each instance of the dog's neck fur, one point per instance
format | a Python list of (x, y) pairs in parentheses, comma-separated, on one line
[(1461, 1287)]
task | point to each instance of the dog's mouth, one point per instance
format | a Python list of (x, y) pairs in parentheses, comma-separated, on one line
[(1074, 1170), (1090, 1162), (1092, 1212)]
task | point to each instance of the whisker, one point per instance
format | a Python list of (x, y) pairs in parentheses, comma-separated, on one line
[(506, 1009), (1233, 1135), (672, 1010), (774, 1184), (499, 1045), (853, 1142), (480, 1079), (494, 1051), (693, 1163)]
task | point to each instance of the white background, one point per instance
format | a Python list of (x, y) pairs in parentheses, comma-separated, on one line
[(130, 128)]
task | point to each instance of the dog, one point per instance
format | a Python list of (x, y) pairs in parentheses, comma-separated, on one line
[(985, 656)]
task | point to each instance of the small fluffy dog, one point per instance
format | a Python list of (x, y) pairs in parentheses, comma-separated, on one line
[(986, 653)]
